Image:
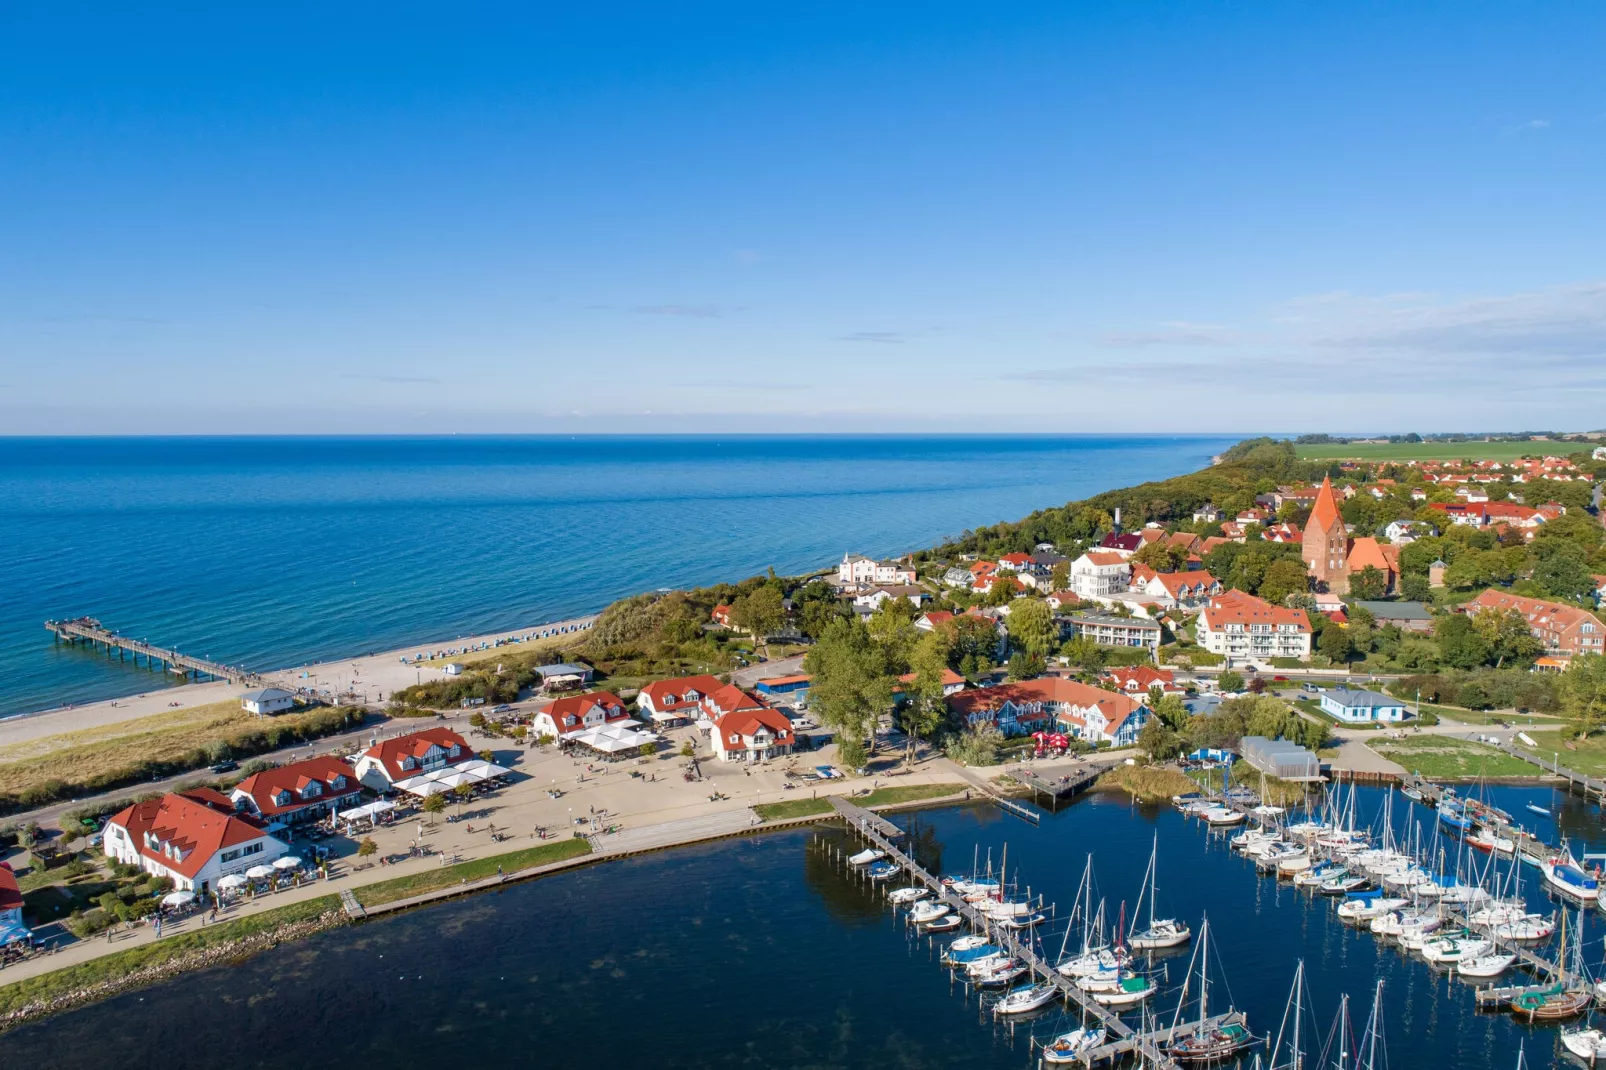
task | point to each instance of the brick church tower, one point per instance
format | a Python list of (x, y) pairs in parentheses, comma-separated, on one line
[(1325, 546)]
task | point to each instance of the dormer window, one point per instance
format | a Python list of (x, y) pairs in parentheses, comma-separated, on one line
[(339, 782), (455, 751)]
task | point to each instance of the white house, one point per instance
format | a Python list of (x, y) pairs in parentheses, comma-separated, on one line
[(1242, 627), (193, 837), (752, 735), (565, 716), (384, 763), (1401, 532), (1361, 707), (876, 595), (858, 570), (266, 701), (1098, 573), (1052, 703)]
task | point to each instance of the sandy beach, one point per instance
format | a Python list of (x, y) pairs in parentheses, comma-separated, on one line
[(371, 676)]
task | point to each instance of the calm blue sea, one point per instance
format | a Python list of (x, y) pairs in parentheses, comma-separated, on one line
[(277, 551)]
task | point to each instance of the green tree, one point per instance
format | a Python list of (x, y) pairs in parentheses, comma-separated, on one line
[(1084, 653), (976, 746), (973, 642), (1059, 578), (1414, 586), (1583, 694), (688, 749), (925, 705), (851, 686), (1024, 665), (1368, 584), (1002, 592), (1460, 645), (759, 614), (1506, 635), (1160, 742), (1334, 644), (1170, 711), (367, 848), (1565, 573), (1230, 681), (1283, 578), (1031, 626), (435, 804)]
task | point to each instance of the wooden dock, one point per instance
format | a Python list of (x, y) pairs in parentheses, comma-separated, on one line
[(1066, 785), (1126, 1039), (90, 631)]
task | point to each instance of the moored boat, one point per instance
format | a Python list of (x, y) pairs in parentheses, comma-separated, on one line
[(942, 925), (1491, 965), (1071, 1047), (866, 857), (1587, 1044), (1027, 998), (904, 896)]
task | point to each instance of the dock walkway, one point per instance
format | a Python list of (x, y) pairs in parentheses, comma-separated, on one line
[(1056, 788), (91, 631), (1126, 1039)]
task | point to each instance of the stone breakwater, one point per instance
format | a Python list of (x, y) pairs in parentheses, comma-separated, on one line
[(168, 968)]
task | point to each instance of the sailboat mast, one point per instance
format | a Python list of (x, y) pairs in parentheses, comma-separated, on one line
[(1373, 1027), (1343, 1032)]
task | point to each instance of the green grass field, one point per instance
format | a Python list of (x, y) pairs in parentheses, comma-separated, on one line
[(1488, 717), (472, 870), (1588, 756), (1444, 756), (1433, 451)]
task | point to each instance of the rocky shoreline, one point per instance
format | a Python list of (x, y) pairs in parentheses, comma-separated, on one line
[(169, 968)]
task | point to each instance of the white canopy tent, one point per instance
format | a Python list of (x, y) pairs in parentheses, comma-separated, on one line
[(482, 768), (178, 899), (371, 810), (259, 872), (233, 880), (287, 862), (613, 738)]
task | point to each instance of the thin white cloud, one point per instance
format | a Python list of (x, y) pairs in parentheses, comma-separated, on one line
[(702, 312), (1175, 333), (881, 337), (374, 378)]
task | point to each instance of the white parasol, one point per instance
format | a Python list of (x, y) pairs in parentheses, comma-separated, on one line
[(233, 880), (287, 862), (259, 872), (178, 899)]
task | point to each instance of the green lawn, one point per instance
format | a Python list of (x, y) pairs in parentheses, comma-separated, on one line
[(781, 811), (1433, 451), (908, 793), (472, 870), (119, 965), (1488, 717), (1445, 756), (1588, 756)]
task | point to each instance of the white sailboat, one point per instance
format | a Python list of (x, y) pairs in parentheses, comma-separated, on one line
[(1293, 1016), (1162, 932)]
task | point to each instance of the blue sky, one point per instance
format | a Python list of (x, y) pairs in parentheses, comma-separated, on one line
[(1048, 217)]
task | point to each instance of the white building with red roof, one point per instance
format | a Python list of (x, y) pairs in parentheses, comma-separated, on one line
[(10, 898), (1241, 626), (1138, 679), (300, 791), (1052, 702), (566, 716), (752, 735), (1172, 589), (1100, 573), (678, 698), (193, 837), (391, 760)]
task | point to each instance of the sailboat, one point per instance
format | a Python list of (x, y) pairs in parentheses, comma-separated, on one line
[(1199, 1041), (1071, 1047), (1372, 1039), (1295, 1059), (1161, 933), (1559, 999)]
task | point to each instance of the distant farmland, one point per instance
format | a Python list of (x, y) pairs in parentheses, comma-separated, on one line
[(1435, 451)]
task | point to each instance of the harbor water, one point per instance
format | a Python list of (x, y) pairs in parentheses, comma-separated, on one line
[(275, 552), (763, 951)]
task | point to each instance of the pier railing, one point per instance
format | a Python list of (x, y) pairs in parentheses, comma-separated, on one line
[(91, 631)]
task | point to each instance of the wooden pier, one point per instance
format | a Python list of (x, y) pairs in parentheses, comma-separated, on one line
[(91, 631), (1125, 1038), (1057, 788)]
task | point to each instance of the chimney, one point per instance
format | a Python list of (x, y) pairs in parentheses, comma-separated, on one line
[(1118, 518)]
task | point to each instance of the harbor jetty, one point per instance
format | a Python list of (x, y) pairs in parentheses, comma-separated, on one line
[(89, 631), (1125, 1040)]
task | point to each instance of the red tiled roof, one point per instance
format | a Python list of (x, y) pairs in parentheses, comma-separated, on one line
[(938, 616), (197, 823), (263, 786), (744, 722), (577, 706), (1324, 514), (1056, 690), (949, 678), (1140, 677), (1235, 607), (672, 694), (1096, 558), (415, 745), (10, 895)]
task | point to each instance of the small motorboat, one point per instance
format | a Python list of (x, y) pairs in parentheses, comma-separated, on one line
[(1455, 948), (883, 871), (1485, 840), (1414, 794), (1018, 922), (928, 910), (1587, 1044), (1027, 998), (1222, 816), (904, 896), (1536, 808), (1070, 1047), (966, 944), (866, 857), (1342, 883), (1005, 974), (1130, 989), (1526, 927), (1564, 875), (942, 925), (1491, 965)]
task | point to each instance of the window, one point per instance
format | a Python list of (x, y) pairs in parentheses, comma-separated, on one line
[(228, 856)]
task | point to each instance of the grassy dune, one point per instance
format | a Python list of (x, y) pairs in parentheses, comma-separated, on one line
[(1431, 451)]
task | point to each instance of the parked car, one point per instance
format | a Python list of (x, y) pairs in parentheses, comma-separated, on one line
[(226, 766), (1308, 686)]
